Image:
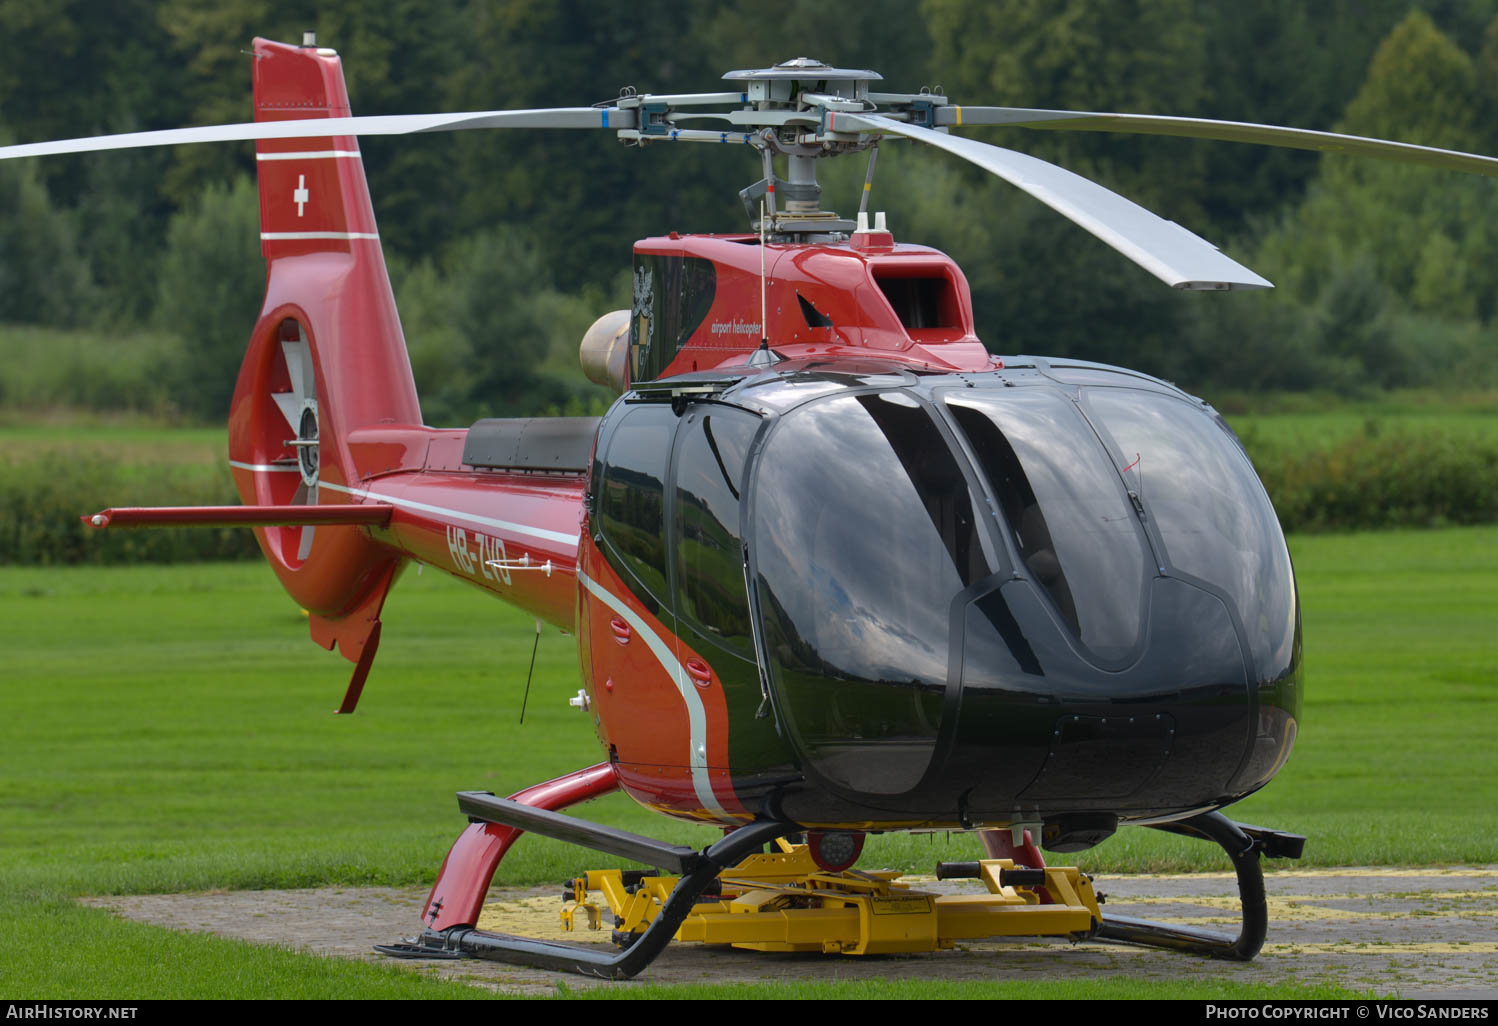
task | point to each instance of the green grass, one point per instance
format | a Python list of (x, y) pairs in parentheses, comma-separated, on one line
[(134, 449), (57, 950), (170, 728), (52, 473), (1290, 432), (1294, 430), (126, 439), (1287, 425), (1393, 402), (1398, 760)]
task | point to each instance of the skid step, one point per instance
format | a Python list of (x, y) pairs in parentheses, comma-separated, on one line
[(414, 949), (485, 807)]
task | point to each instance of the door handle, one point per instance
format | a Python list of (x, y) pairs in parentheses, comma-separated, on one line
[(700, 672), (622, 631)]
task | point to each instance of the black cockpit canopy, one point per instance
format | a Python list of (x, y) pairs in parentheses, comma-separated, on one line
[(932, 567)]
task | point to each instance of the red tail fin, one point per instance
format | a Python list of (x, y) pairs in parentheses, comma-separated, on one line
[(327, 356)]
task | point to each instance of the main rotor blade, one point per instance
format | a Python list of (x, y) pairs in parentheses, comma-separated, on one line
[(1165, 249), (1225, 131), (321, 128)]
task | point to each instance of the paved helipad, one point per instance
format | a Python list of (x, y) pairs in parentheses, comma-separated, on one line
[(1411, 932)]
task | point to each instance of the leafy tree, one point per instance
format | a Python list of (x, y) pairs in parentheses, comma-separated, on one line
[(74, 68), (1367, 256), (1425, 230), (487, 336), (1040, 284), (43, 278), (888, 36), (1147, 56), (212, 284), (209, 44), (1421, 88), (122, 220), (1279, 62), (584, 200), (1377, 248)]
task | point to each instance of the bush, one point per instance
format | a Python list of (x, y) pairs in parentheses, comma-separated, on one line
[(489, 337), (41, 501), (1372, 480), (50, 368)]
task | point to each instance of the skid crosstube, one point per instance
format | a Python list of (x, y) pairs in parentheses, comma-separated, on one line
[(698, 870), (1243, 844)]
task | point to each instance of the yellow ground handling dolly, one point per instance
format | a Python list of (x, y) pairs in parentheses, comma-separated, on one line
[(781, 901), (736, 892)]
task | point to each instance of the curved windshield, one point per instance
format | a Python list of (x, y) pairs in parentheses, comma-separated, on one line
[(864, 534), (1066, 510), (1216, 523)]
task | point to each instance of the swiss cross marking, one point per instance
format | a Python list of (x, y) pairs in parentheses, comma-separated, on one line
[(300, 195)]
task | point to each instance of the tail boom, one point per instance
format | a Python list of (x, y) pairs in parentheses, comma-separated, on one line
[(513, 533)]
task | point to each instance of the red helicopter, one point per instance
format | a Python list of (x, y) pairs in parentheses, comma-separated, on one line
[(833, 567)]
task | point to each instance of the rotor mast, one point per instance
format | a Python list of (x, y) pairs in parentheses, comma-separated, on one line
[(802, 86), (782, 114)]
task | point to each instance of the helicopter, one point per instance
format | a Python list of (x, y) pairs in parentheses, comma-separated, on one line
[(833, 568)]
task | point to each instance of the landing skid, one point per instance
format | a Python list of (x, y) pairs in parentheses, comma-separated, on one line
[(1244, 844), (733, 893), (698, 869), (782, 902)]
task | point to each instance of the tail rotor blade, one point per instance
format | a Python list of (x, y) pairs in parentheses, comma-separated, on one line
[(299, 366), (308, 531), (291, 408)]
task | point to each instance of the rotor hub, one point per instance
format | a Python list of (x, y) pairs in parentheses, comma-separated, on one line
[(306, 443)]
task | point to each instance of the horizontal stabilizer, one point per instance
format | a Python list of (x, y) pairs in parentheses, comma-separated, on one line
[(240, 516)]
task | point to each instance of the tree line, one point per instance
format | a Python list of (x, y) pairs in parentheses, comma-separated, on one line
[(503, 245)]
